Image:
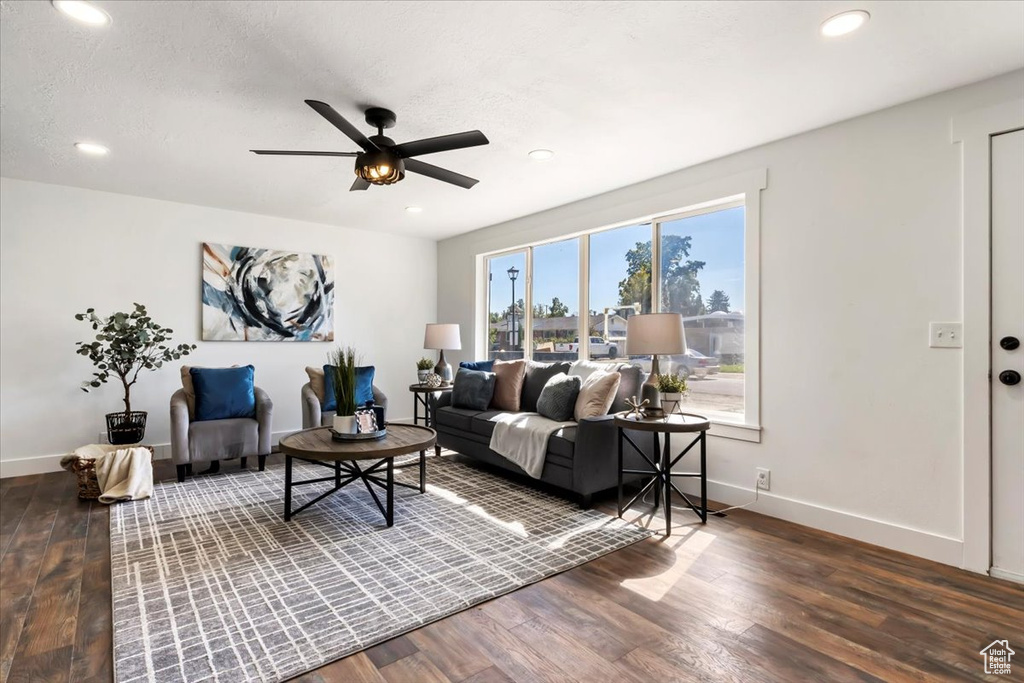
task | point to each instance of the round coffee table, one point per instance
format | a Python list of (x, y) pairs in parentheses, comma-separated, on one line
[(661, 473), (318, 447)]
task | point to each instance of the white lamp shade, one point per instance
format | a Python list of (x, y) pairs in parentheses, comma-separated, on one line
[(442, 336), (655, 333)]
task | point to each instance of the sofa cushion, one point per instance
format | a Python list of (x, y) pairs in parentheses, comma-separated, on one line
[(456, 418), (597, 394), (482, 365), (473, 389), (224, 393), (537, 375), (563, 444), (508, 385), (585, 368), (558, 400), (481, 423)]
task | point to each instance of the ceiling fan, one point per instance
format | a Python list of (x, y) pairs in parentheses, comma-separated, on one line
[(382, 162)]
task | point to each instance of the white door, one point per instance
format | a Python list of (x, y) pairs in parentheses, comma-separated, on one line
[(1008, 357)]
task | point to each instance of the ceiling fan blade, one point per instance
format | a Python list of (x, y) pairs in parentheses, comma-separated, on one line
[(288, 153), (339, 122), (438, 173), (359, 184), (443, 143)]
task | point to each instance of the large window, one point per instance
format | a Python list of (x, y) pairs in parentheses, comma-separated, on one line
[(702, 277), (620, 285), (574, 297), (555, 302), (506, 305)]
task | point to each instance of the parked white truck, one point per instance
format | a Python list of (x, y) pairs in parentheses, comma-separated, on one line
[(598, 348)]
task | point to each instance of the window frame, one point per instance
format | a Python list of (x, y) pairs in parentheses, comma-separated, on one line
[(733, 192)]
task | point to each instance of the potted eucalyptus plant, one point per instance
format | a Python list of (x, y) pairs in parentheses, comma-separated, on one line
[(342, 363), (672, 388), (125, 345), (423, 368)]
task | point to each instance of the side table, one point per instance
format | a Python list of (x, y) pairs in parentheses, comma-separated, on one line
[(661, 473), (422, 395)]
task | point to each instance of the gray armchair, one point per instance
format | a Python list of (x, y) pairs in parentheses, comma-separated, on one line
[(313, 414), (211, 441)]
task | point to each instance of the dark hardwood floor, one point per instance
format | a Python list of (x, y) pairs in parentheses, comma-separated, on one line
[(744, 598)]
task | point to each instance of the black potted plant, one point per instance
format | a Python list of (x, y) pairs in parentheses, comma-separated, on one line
[(126, 344)]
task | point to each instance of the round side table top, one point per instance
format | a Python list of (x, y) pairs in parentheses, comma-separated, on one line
[(424, 389), (317, 444), (677, 422)]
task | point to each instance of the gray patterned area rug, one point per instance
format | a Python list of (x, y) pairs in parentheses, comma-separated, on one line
[(210, 583)]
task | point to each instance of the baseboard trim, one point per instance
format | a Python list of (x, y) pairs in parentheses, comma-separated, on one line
[(997, 573), (42, 464), (918, 542)]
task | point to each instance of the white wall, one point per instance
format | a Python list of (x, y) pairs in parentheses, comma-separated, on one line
[(860, 249), (65, 249)]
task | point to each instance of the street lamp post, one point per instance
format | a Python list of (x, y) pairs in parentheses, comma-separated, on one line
[(513, 273)]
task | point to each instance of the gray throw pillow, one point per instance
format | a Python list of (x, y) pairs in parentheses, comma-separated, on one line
[(537, 376), (558, 398), (473, 389)]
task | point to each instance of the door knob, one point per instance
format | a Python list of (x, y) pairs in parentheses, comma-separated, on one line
[(1009, 377), (1009, 343)]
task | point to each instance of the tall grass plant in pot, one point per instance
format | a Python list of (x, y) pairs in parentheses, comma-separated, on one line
[(343, 369)]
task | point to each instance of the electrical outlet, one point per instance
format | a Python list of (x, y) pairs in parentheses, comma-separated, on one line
[(945, 335), (764, 479)]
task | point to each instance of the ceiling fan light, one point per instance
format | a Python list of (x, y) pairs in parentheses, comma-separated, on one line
[(380, 168)]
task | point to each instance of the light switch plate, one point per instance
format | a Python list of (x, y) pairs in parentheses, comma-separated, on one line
[(945, 335)]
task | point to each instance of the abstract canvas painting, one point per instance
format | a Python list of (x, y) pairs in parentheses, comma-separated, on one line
[(252, 294)]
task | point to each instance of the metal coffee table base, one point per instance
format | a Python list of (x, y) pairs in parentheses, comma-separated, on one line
[(348, 471)]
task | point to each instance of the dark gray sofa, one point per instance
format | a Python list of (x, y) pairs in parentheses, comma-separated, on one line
[(581, 460)]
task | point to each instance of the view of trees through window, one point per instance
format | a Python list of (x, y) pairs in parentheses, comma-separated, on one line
[(700, 275)]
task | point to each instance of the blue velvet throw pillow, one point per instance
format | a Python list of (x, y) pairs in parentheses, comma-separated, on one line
[(481, 365), (364, 387), (223, 393), (473, 389)]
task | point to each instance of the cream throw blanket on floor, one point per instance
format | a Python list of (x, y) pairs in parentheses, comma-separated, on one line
[(122, 473), (523, 439)]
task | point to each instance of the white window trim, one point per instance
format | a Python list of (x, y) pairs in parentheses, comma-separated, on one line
[(743, 189)]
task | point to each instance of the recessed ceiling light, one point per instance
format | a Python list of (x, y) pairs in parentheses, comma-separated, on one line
[(541, 154), (844, 22), (414, 209), (91, 148), (82, 11)]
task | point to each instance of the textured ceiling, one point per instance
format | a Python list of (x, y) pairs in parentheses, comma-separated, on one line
[(621, 91)]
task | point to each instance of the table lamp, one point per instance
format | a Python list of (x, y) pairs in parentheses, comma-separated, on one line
[(441, 336), (653, 334)]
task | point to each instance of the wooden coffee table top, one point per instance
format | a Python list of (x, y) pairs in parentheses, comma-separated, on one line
[(317, 444)]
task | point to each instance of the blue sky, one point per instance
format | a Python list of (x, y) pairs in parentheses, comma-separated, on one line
[(717, 239)]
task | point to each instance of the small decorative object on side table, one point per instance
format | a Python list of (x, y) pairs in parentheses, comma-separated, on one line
[(661, 473), (672, 388), (423, 367)]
